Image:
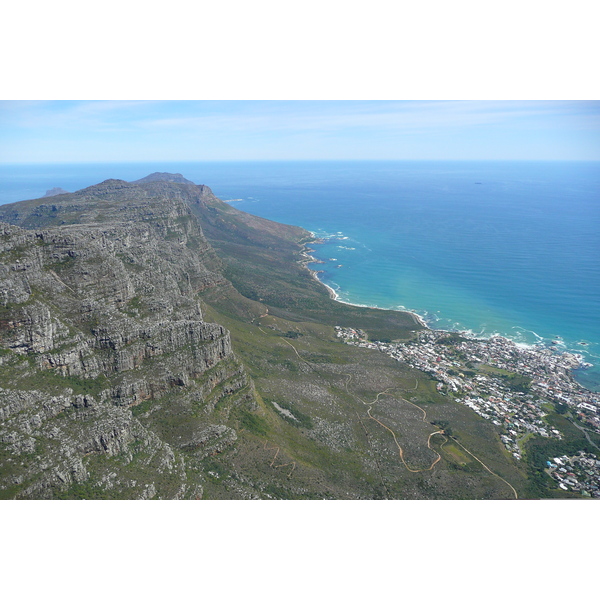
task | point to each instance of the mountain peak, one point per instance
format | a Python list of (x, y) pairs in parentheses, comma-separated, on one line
[(170, 177)]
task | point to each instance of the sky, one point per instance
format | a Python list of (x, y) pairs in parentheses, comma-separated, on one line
[(128, 131)]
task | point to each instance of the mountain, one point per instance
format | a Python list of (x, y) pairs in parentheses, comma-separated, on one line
[(99, 316), (156, 342), (169, 177)]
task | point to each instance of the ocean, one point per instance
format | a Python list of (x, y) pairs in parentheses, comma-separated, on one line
[(502, 247)]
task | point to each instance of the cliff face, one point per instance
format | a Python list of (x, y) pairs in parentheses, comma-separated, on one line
[(111, 383)]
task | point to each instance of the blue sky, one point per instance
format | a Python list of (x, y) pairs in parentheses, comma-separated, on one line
[(124, 130)]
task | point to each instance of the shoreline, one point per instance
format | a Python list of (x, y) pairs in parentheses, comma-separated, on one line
[(307, 258)]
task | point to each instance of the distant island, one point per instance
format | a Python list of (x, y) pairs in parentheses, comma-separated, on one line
[(55, 192)]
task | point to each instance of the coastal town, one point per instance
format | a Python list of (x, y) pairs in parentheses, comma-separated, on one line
[(513, 386), (579, 473)]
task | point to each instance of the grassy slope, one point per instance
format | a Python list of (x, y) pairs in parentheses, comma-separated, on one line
[(262, 261), (312, 436)]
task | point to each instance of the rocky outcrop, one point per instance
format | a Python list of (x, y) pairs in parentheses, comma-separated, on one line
[(109, 374)]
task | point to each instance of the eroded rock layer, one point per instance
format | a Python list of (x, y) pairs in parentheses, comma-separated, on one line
[(99, 315)]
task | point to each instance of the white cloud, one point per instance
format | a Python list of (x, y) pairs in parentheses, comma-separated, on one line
[(290, 128), (410, 117)]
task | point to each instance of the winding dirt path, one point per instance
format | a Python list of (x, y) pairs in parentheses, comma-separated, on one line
[(273, 465), (400, 449), (424, 419), (487, 468), (296, 351)]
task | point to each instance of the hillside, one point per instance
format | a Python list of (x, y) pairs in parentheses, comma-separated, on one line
[(156, 342)]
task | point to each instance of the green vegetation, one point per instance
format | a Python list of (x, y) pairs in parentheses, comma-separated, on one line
[(539, 450), (87, 491), (252, 422), (292, 334), (29, 377), (517, 382), (444, 426), (561, 408), (135, 307), (452, 339)]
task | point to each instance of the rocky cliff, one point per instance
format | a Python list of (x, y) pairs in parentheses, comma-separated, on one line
[(112, 384)]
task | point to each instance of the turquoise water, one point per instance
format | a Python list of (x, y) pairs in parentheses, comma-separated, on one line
[(492, 247)]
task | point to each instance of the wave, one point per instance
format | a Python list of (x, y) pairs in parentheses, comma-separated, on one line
[(325, 235), (539, 337)]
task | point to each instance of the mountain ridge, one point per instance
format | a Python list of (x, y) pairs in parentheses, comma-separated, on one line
[(168, 177), (98, 316)]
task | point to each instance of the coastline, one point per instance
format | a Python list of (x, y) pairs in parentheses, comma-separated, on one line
[(307, 258)]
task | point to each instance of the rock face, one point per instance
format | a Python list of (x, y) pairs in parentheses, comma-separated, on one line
[(110, 377)]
